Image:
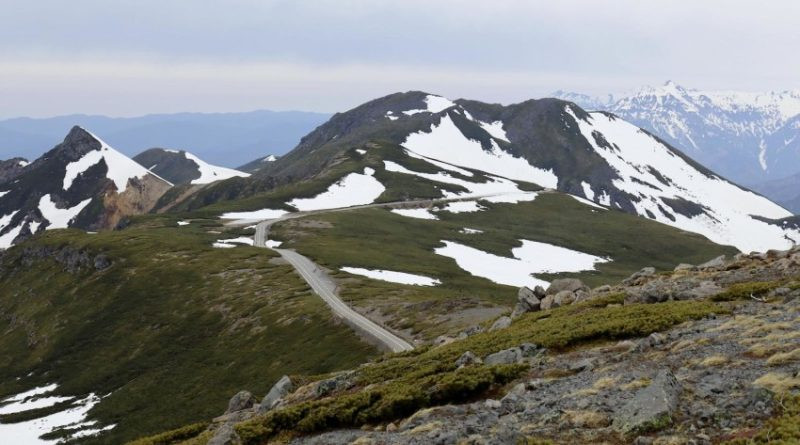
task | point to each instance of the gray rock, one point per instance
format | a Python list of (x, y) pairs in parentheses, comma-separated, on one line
[(278, 391), (225, 435), (547, 302), (640, 276), (242, 400), (685, 267), (501, 323), (102, 262), (581, 295), (713, 264), (468, 358), (539, 292), (563, 298), (651, 408), (469, 332), (586, 364), (562, 284), (527, 301), (443, 340), (602, 289), (504, 357), (530, 350)]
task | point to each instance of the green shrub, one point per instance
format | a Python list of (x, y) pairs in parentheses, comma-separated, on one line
[(740, 291), (174, 436)]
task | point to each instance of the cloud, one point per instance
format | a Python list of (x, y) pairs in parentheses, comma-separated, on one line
[(313, 54)]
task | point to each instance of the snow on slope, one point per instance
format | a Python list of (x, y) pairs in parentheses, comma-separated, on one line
[(121, 168), (353, 189), (434, 104), (415, 213), (446, 143), (59, 218), (532, 258), (392, 276), (210, 173), (726, 217)]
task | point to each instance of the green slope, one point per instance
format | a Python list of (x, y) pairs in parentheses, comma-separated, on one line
[(171, 330)]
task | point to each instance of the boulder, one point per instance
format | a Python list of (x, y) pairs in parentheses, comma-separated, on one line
[(442, 340), (278, 391), (547, 302), (225, 435), (563, 298), (640, 276), (102, 262), (504, 357), (713, 264), (468, 358), (684, 267), (562, 284), (651, 408), (581, 295), (527, 301), (241, 401), (469, 332), (501, 323)]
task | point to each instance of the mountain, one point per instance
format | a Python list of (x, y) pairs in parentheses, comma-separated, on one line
[(747, 137), (227, 139), (550, 143), (258, 164), (82, 183), (785, 191), (11, 168), (182, 167)]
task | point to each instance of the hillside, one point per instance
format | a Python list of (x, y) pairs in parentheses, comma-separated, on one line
[(82, 182), (705, 354), (182, 167)]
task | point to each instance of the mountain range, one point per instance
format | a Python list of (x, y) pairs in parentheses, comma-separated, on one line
[(749, 138), (228, 139), (179, 282)]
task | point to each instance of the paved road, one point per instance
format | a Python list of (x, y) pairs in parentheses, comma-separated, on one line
[(324, 286)]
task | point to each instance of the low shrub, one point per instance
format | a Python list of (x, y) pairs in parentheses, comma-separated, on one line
[(175, 436), (781, 430)]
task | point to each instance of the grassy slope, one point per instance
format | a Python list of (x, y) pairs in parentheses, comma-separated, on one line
[(171, 330), (377, 238)]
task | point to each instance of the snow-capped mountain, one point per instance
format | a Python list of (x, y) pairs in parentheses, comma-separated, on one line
[(182, 167), (554, 144), (82, 182), (746, 137)]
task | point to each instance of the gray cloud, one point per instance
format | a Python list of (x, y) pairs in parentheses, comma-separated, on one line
[(131, 57)]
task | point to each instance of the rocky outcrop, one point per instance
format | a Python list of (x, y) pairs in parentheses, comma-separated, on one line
[(528, 300), (652, 408), (278, 391), (72, 260)]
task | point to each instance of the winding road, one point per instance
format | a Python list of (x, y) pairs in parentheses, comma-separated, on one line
[(324, 286)]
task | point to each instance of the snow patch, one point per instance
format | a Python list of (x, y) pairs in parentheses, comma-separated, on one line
[(353, 189), (533, 257), (120, 168), (59, 218), (512, 198), (361, 151), (435, 104), (462, 207), (183, 223), (446, 143), (4, 193), (415, 213), (256, 215), (228, 243), (587, 202), (468, 231), (495, 129), (210, 173), (392, 276), (270, 158), (272, 243)]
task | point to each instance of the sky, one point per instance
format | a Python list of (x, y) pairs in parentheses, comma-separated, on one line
[(126, 58)]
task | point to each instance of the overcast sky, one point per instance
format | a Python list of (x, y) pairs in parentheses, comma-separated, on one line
[(124, 58)]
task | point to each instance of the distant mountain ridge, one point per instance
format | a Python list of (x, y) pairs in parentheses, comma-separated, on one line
[(226, 139), (747, 137)]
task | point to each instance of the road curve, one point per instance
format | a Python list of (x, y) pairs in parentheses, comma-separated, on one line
[(324, 286)]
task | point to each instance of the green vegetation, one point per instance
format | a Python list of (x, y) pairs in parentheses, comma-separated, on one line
[(399, 385), (781, 430), (741, 291), (175, 436), (170, 331), (380, 239)]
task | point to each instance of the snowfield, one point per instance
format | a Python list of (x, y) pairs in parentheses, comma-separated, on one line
[(446, 143), (256, 215), (59, 218), (121, 168), (393, 277), (416, 213), (353, 189), (435, 105), (495, 186), (210, 173), (462, 207), (228, 243), (533, 257), (726, 218), (28, 432)]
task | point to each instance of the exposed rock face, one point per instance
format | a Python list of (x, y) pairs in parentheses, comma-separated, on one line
[(528, 300), (242, 400), (11, 168), (73, 260), (279, 390), (652, 407)]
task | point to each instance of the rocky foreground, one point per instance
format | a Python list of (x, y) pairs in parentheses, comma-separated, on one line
[(705, 354)]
